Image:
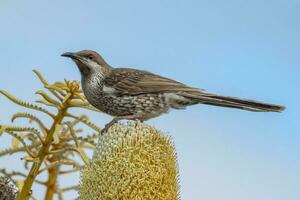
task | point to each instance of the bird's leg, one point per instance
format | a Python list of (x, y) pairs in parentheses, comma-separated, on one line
[(138, 120), (107, 126), (117, 119)]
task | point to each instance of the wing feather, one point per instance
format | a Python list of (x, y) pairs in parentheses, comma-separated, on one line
[(133, 82)]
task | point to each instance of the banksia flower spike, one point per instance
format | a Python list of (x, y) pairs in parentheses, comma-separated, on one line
[(131, 162)]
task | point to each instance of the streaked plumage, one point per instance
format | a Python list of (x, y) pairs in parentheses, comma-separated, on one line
[(135, 94)]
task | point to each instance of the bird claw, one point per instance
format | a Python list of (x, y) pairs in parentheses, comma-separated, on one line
[(117, 119), (107, 126)]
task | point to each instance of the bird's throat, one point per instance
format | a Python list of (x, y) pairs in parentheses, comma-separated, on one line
[(84, 69)]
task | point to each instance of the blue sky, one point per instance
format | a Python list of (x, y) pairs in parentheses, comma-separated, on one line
[(248, 49)]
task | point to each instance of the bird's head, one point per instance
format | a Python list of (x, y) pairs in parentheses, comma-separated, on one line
[(88, 62)]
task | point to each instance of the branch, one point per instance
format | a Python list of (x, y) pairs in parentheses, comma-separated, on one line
[(31, 154), (25, 104), (84, 120), (30, 117), (45, 83)]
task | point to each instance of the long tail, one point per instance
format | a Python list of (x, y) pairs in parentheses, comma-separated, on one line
[(233, 102)]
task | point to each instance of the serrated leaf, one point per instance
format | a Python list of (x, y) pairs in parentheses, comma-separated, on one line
[(83, 155), (67, 97), (25, 104), (2, 129), (59, 84), (32, 118), (30, 159), (15, 143), (79, 96), (48, 98)]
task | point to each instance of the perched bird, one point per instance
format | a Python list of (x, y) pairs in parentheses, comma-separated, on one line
[(133, 94)]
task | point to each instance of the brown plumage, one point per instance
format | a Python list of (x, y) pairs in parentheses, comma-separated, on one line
[(135, 94)]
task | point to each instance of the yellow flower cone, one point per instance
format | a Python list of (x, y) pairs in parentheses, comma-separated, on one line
[(132, 162)]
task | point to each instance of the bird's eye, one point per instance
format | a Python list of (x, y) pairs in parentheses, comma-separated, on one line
[(90, 57)]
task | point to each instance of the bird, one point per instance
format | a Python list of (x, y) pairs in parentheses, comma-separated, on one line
[(133, 94)]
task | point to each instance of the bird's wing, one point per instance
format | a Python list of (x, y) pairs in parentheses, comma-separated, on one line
[(132, 82)]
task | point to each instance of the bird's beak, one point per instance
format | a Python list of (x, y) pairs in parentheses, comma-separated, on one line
[(71, 55)]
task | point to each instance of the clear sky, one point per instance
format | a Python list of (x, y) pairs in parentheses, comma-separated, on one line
[(240, 48)]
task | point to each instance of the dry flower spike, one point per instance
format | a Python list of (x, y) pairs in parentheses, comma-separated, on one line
[(7, 190)]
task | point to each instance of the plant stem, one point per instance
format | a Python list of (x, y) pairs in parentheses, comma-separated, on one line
[(51, 183), (26, 190)]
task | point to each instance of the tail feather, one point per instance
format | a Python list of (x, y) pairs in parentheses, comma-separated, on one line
[(233, 102)]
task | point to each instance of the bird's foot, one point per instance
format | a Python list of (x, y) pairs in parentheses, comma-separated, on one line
[(117, 119), (137, 121)]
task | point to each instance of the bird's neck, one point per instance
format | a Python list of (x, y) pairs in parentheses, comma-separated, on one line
[(95, 70), (93, 79), (105, 70), (92, 85)]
